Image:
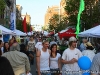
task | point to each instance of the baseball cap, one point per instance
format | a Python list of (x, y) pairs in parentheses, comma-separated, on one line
[(72, 39)]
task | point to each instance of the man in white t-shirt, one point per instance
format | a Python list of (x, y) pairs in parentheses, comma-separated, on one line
[(70, 57), (38, 45)]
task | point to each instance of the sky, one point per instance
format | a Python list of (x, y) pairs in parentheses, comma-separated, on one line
[(36, 9)]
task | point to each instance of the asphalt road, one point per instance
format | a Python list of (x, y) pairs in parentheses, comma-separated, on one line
[(33, 67)]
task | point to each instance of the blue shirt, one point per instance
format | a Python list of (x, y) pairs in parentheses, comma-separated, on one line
[(82, 47)]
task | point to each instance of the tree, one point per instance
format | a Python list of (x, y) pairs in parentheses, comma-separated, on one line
[(19, 25), (28, 27), (56, 24), (53, 22), (44, 28), (89, 16), (2, 6)]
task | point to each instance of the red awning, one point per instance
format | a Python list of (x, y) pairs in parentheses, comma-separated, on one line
[(70, 32)]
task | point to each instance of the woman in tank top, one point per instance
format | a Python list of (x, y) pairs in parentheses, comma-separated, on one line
[(42, 59), (55, 58)]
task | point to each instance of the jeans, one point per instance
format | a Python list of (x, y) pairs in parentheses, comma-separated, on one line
[(31, 60), (55, 71), (45, 72), (64, 72)]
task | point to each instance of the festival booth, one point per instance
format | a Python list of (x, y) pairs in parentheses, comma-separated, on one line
[(4, 30), (93, 32), (45, 33), (66, 34), (29, 33), (20, 33)]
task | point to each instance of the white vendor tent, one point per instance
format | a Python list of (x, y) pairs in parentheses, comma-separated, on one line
[(20, 33), (4, 30), (30, 33), (93, 32), (45, 33)]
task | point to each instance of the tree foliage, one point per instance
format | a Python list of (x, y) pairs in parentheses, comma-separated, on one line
[(56, 24), (2, 6), (89, 17), (19, 25)]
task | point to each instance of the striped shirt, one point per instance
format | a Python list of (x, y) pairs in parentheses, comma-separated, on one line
[(95, 68)]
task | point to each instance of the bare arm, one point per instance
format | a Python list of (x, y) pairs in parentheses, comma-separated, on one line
[(65, 62), (59, 63), (69, 62), (49, 57), (38, 53)]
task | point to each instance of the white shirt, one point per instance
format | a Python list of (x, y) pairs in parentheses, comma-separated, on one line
[(88, 53), (54, 61), (2, 49), (44, 60), (39, 45), (70, 54)]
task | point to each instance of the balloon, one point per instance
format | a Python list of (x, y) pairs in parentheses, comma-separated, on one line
[(86, 74), (84, 63)]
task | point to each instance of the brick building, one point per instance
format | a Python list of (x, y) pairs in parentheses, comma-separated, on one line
[(50, 12), (28, 18)]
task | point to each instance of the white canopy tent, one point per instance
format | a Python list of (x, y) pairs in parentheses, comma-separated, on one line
[(4, 30), (93, 32), (20, 33), (56, 34), (63, 31), (45, 33), (30, 33)]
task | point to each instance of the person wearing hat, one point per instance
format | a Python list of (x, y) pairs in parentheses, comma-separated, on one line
[(70, 57), (89, 51)]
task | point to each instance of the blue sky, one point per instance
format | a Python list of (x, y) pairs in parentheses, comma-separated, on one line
[(36, 8)]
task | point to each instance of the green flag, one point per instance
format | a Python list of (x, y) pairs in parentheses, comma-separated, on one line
[(81, 8)]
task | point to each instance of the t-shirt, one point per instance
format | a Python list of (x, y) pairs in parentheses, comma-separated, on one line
[(31, 45), (54, 61), (95, 67), (39, 45), (88, 53), (69, 54)]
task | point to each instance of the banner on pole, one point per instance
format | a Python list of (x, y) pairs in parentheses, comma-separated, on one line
[(12, 21)]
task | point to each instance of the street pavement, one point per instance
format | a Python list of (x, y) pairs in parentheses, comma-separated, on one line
[(33, 67)]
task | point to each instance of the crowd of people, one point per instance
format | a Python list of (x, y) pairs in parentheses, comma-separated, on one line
[(16, 58)]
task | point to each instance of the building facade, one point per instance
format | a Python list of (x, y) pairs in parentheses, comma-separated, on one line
[(5, 14), (50, 12), (28, 18), (37, 27), (18, 12), (5, 17)]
